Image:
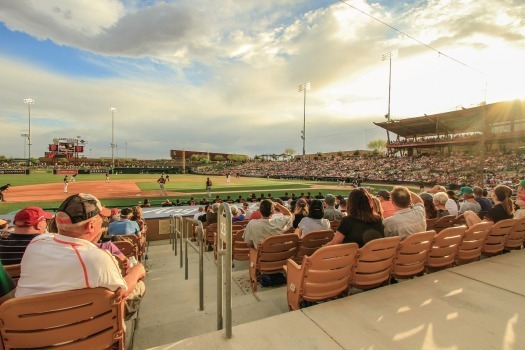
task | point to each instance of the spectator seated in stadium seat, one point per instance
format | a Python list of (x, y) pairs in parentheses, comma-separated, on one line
[(258, 230), (407, 219), (469, 202), (440, 200), (330, 212), (124, 226), (48, 260), (314, 221), (29, 223), (362, 223)]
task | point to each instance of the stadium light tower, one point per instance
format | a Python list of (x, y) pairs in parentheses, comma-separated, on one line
[(113, 110), (388, 56), (303, 88), (29, 102), (25, 136)]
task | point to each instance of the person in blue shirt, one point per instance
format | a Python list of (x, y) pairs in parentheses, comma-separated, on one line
[(124, 226)]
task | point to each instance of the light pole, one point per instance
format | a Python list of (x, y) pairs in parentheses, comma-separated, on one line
[(29, 102), (388, 56), (113, 110), (303, 88), (25, 136)]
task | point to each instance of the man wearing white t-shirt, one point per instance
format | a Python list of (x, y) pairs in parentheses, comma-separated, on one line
[(68, 260)]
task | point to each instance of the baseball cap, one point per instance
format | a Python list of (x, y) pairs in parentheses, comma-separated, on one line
[(384, 193), (465, 190), (522, 183), (31, 216), (114, 211), (80, 207)]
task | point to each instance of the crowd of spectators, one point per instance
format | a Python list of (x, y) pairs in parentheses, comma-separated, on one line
[(437, 139), (496, 167)]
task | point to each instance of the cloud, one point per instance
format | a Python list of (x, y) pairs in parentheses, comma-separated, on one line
[(223, 76)]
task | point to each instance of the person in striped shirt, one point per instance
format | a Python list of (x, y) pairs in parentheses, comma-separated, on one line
[(29, 223)]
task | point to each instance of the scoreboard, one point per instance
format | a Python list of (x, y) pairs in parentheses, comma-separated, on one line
[(65, 147)]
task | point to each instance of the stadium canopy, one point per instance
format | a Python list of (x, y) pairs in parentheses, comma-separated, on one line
[(465, 120)]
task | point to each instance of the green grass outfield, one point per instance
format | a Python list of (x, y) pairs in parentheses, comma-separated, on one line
[(187, 185)]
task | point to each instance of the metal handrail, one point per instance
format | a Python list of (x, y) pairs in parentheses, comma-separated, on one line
[(190, 224), (179, 227), (224, 264), (173, 240)]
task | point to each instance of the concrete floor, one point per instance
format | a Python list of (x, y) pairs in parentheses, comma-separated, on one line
[(476, 306), (169, 311)]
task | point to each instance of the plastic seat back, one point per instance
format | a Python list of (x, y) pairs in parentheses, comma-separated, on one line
[(126, 248), (412, 254), (271, 255), (460, 220), (209, 236), (89, 318), (444, 248), (495, 242), (472, 242), (241, 251), (311, 242), (431, 223), (444, 222), (374, 262), (323, 275), (516, 235)]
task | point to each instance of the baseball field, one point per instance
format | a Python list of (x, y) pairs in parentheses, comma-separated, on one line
[(47, 190)]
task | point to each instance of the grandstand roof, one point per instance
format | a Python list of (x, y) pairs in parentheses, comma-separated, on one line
[(460, 121)]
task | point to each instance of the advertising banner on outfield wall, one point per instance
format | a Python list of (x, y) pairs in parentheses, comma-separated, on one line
[(13, 171), (65, 171)]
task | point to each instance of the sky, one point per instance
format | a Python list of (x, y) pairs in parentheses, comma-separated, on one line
[(223, 76)]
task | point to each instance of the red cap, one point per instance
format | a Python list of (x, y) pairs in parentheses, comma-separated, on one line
[(114, 211), (31, 216)]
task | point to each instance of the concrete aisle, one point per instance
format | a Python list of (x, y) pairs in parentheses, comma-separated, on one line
[(169, 311), (476, 306)]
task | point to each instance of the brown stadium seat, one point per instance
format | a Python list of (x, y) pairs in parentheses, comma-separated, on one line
[(209, 234), (472, 242), (323, 275), (127, 248), (374, 262), (444, 248), (235, 228), (497, 237), (516, 235), (137, 242), (460, 220), (271, 256), (444, 222), (312, 241), (89, 318), (412, 255), (431, 223), (240, 249), (13, 271)]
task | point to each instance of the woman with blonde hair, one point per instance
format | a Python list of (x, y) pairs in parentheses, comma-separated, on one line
[(137, 216), (503, 208), (300, 211)]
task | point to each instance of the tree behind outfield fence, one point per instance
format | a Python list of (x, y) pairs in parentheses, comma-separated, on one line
[(378, 146)]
